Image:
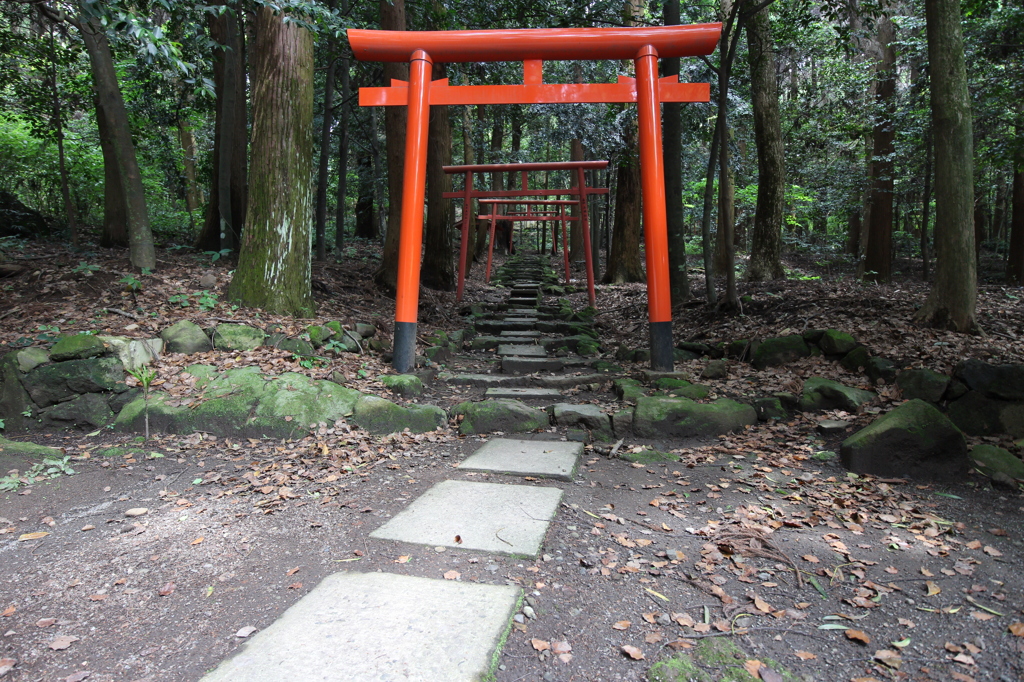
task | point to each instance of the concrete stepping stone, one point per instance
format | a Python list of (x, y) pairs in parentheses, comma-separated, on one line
[(547, 458), (518, 334), (523, 393), (483, 517), (522, 350), (520, 365), (379, 626), (498, 326)]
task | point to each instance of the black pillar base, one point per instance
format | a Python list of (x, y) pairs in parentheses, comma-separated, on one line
[(662, 352), (405, 346)]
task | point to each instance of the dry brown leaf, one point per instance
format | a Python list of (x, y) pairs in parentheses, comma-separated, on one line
[(32, 536), (680, 644), (925, 572), (858, 636), (978, 615), (295, 586), (810, 557), (166, 590), (622, 625), (933, 589), (651, 617), (752, 666), (1016, 629), (452, 575), (62, 642), (293, 571), (6, 665), (889, 657), (992, 551), (653, 637), (805, 655), (45, 622), (540, 644), (906, 622), (762, 605), (964, 658), (633, 652), (198, 540), (9, 611), (961, 677), (973, 544), (561, 647), (97, 597), (404, 559)]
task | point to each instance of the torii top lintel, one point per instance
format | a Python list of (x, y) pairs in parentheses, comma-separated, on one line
[(512, 45)]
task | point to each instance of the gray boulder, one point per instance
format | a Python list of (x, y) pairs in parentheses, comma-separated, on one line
[(976, 414), (915, 439), (185, 337), (779, 351), (825, 394), (378, 415), (856, 359), (769, 408), (87, 411), (588, 416), (509, 416), (1005, 382), (237, 337), (406, 385), (925, 384), (880, 369), (991, 459), (661, 417), (835, 342), (60, 381)]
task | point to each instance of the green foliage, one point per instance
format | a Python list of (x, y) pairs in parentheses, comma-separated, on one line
[(50, 467), (217, 255), (207, 300), (179, 299), (84, 267), (131, 283)]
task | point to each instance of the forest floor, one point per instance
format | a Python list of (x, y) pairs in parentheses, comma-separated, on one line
[(749, 555)]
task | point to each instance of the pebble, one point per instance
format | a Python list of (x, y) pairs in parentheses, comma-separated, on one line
[(89, 527), (439, 549), (664, 619), (529, 612), (245, 632), (136, 511), (519, 618)]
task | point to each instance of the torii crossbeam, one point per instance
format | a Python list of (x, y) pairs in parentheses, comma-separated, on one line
[(644, 45)]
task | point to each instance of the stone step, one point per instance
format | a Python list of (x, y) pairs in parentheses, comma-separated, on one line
[(521, 350), (379, 626), (498, 326), (481, 517), (546, 458), (521, 334), (487, 380), (515, 365), (523, 393)]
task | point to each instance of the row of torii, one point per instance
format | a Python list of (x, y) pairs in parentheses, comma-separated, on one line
[(644, 45)]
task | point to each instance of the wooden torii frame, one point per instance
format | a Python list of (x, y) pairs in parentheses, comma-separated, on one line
[(581, 191), (644, 45)]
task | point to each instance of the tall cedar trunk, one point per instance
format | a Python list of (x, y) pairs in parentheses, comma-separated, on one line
[(468, 158), (378, 195), (1015, 264), (926, 202), (576, 226), (878, 258), (766, 234), (342, 199), (325, 149), (366, 221), (115, 214), (672, 144), (726, 209), (70, 213), (624, 264), (193, 195), (392, 18), (481, 226), (225, 213), (497, 179), (439, 265), (516, 143), (274, 260), (120, 146), (952, 301)]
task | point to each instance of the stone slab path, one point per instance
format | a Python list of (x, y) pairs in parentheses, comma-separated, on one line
[(551, 459)]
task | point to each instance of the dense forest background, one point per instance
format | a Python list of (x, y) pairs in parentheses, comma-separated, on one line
[(134, 124)]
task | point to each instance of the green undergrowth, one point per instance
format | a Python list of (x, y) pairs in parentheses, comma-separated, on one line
[(716, 659)]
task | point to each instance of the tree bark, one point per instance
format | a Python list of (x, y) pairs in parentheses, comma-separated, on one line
[(926, 203), (766, 233), (439, 267), (70, 212), (343, 125), (323, 171), (672, 144), (1015, 263), (624, 264), (274, 260), (366, 221), (468, 158), (878, 257), (952, 301), (392, 18), (726, 208), (115, 214), (120, 149), (481, 226), (193, 195), (225, 213)]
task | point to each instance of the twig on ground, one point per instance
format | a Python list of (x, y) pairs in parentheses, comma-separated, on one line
[(124, 313), (10, 312)]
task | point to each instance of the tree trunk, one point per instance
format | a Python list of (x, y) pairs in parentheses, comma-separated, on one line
[(726, 209), (274, 260), (672, 143), (115, 214), (342, 200), (926, 202), (766, 234), (439, 266), (392, 18), (1015, 263), (878, 257), (193, 195), (481, 226), (576, 226), (225, 214), (120, 145), (323, 171), (952, 301), (70, 213), (468, 159), (624, 264), (366, 221)]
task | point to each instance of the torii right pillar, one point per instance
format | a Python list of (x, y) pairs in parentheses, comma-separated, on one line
[(652, 183)]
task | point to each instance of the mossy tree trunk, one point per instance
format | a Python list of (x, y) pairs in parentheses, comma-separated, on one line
[(274, 261), (624, 263), (672, 141), (323, 168), (1015, 263), (952, 301), (878, 256), (439, 268), (766, 234)]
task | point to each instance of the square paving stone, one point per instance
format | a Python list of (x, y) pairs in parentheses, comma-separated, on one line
[(522, 350), (486, 517), (523, 393), (549, 458), (378, 626), (520, 365), (516, 334)]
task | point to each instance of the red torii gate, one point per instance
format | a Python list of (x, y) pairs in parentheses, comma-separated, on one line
[(581, 191), (644, 45)]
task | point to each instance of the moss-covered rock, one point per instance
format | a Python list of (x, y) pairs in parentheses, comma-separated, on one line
[(1004, 382), (681, 388), (406, 385), (622, 423), (991, 459), (77, 347), (165, 416), (439, 354), (318, 334), (825, 394), (606, 367), (978, 415), (27, 359), (717, 659), (296, 346), (24, 448), (856, 359), (715, 369), (695, 348), (915, 439), (926, 384), (660, 417), (780, 350), (628, 389), (587, 349), (509, 416), (14, 399), (487, 342), (237, 337), (378, 415), (624, 353), (185, 337), (770, 408), (880, 369), (365, 330), (438, 338), (89, 410), (835, 342), (133, 353), (60, 381), (588, 416)]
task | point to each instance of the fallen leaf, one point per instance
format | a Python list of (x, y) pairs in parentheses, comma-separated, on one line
[(926, 572), (452, 575), (992, 551), (858, 636), (45, 622), (565, 658), (933, 589), (540, 644), (633, 652), (964, 658), (9, 611), (889, 657), (404, 559), (32, 536), (810, 557), (1016, 629), (198, 540), (905, 622), (6, 664), (891, 570), (166, 590), (973, 544), (680, 644), (752, 666), (997, 531), (245, 632), (761, 605), (978, 615), (79, 676), (805, 655), (560, 647), (653, 637), (295, 586), (62, 642), (960, 677), (97, 597), (622, 625), (293, 571)]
